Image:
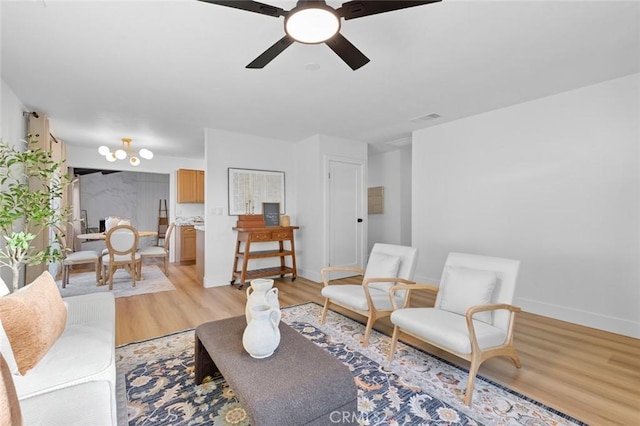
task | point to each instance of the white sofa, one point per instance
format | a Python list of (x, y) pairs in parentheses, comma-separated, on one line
[(74, 383)]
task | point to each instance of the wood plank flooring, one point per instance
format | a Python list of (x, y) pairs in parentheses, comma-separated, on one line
[(589, 374)]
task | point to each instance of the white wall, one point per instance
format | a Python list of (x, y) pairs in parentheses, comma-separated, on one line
[(228, 149), (391, 170), (552, 182), (13, 128), (312, 159), (310, 195), (13, 125)]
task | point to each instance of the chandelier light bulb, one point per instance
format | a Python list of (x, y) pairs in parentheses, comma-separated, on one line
[(111, 157), (134, 161), (104, 150), (121, 154), (146, 154)]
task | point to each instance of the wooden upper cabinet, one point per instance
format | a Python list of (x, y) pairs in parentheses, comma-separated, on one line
[(190, 186)]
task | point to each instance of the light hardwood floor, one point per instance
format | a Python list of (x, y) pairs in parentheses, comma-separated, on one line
[(589, 374)]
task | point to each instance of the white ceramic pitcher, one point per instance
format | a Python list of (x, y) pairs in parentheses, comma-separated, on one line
[(262, 335), (261, 293)]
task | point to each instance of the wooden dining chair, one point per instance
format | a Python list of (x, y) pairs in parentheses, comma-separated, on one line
[(160, 251), (82, 257), (122, 244)]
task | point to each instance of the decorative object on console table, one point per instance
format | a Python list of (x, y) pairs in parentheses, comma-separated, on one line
[(248, 235), (271, 214), (250, 221)]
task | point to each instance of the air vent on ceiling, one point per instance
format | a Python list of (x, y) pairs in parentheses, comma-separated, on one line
[(427, 117)]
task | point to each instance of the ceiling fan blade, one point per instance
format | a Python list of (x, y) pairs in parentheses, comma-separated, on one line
[(358, 9), (269, 54), (347, 51), (251, 6)]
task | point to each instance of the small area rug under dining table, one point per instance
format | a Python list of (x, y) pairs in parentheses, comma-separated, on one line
[(415, 389), (153, 281)]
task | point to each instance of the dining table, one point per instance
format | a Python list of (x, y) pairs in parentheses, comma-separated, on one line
[(103, 235)]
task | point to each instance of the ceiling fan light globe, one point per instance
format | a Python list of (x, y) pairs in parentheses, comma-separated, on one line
[(121, 154), (146, 154), (134, 161), (312, 25), (104, 150)]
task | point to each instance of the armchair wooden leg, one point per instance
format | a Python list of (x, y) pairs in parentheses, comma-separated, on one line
[(394, 341), (514, 357), (324, 311), (166, 266), (473, 371), (367, 331)]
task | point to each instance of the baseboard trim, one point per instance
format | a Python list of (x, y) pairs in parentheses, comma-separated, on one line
[(581, 317)]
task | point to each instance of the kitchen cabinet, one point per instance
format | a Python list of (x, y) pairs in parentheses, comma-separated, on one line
[(190, 186), (186, 244)]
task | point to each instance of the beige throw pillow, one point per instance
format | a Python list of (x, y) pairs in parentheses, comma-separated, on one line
[(33, 318)]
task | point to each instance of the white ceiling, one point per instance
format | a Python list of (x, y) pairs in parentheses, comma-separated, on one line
[(161, 72)]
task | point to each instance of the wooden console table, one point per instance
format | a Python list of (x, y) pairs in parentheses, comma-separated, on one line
[(248, 236)]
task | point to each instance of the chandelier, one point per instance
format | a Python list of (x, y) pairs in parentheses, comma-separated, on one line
[(125, 152)]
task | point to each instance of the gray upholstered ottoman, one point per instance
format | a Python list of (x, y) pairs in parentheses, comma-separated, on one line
[(300, 384)]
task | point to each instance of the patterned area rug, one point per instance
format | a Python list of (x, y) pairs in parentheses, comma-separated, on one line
[(414, 389), (153, 281)]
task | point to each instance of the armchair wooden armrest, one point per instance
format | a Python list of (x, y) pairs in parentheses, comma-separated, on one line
[(408, 286), (325, 270), (494, 307), (482, 308)]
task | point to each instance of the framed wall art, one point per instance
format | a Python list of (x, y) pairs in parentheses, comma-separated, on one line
[(250, 188)]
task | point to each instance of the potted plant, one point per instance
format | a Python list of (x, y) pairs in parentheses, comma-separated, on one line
[(31, 186)]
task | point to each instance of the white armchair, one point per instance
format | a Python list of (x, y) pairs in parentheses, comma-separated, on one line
[(472, 318), (388, 265)]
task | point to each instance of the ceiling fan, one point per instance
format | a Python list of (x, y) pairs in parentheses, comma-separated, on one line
[(313, 22)]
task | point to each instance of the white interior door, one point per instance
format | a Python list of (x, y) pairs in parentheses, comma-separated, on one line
[(345, 215)]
